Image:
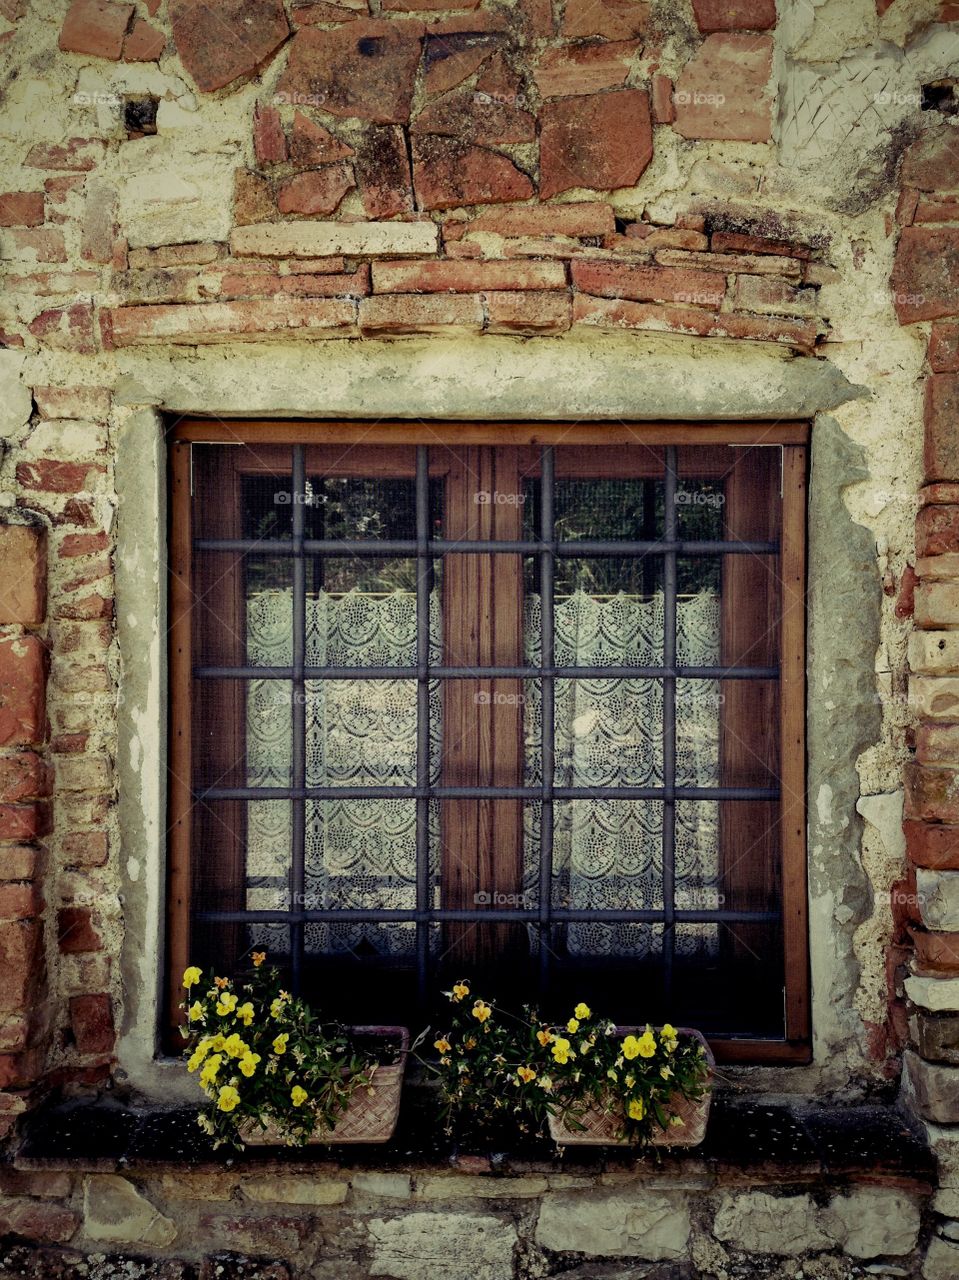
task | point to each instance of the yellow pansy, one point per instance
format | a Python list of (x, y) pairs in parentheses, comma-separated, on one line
[(195, 1011), (248, 1063), (229, 1098), (234, 1046), (298, 1095), (665, 1072), (443, 1046), (481, 1011), (258, 958), (546, 1083), (526, 1074), (561, 1050), (582, 1011), (210, 1069), (195, 1059), (544, 1037), (572, 1026), (191, 976), (277, 1007), (469, 1042), (630, 1081), (636, 1109), (280, 1043), (669, 1031), (216, 1042), (226, 1004), (630, 1047), (647, 1044), (245, 1013), (460, 991), (220, 983)]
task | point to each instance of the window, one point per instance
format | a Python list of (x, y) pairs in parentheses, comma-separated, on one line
[(522, 703)]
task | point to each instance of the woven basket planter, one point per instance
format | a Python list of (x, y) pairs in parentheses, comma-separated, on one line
[(371, 1114), (600, 1128)]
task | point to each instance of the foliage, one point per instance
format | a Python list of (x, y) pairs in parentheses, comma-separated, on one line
[(264, 1060), (493, 1065)]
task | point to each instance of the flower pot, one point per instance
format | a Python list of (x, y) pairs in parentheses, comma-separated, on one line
[(371, 1114), (600, 1128)]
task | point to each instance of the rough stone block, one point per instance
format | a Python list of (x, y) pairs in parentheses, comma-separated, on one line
[(760, 1223), (456, 1246), (114, 1211), (936, 1088), (326, 239), (617, 1222), (938, 898)]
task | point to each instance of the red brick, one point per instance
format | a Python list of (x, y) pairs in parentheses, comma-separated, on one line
[(73, 402), (364, 69), (448, 173), (317, 192), (22, 690), (649, 284), (241, 321), (144, 43), (728, 263), (933, 495), (23, 776), (943, 354), (465, 277), (33, 1220), (20, 901), (931, 794), (478, 23), (664, 108), (721, 92), (310, 15), (476, 117), (931, 163), (449, 60), (933, 845), (311, 144), (382, 168), (252, 199), (904, 904), (938, 951), (84, 544), (24, 821), (66, 329), (906, 206), (91, 1019), (95, 27), (46, 243), (416, 313), (20, 963), (14, 1033), (21, 209), (536, 17), (78, 155), (654, 237), (614, 314), (937, 531), (85, 849), (941, 439), (937, 209), (601, 142), (86, 609), (906, 598), (18, 862), (737, 242), (23, 574), (422, 6), (614, 19), (218, 44), (53, 476), (925, 275), (587, 68), (269, 140), (529, 313), (69, 743), (75, 931), (735, 15), (588, 218)]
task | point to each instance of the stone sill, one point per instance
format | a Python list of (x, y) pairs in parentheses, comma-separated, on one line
[(750, 1140)]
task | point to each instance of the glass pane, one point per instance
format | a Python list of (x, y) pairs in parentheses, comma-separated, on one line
[(607, 856), (261, 755), (629, 509), (699, 508), (608, 733)]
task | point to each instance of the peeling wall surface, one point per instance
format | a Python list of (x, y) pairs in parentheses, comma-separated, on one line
[(539, 210)]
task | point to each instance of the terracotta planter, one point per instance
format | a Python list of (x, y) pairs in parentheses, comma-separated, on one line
[(372, 1113), (600, 1128)]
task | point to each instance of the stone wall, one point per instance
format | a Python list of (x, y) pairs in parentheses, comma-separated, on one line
[(689, 209)]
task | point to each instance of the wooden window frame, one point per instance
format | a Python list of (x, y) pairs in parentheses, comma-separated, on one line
[(790, 438)]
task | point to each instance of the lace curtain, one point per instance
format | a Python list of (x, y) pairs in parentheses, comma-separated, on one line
[(361, 853)]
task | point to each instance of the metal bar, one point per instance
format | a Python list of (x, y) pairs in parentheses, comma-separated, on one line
[(442, 547), (486, 793), (547, 706), (493, 915), (298, 777), (423, 577), (669, 731), (491, 673)]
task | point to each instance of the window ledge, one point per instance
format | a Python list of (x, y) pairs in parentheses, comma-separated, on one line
[(748, 1136)]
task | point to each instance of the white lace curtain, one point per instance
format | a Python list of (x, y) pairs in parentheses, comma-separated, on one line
[(362, 853)]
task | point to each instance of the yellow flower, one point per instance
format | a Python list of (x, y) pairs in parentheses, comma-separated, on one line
[(279, 1044), (561, 1050), (191, 976), (469, 1042), (442, 1045), (460, 991), (234, 1046), (216, 1042), (258, 958), (630, 1081), (647, 1044), (544, 1037), (572, 1026), (245, 1013), (612, 1074), (196, 1011), (220, 983), (210, 1069), (248, 1063), (481, 1011), (277, 1007), (226, 1004), (669, 1031), (630, 1047), (582, 1011), (298, 1096), (546, 1083), (196, 1057), (526, 1074), (665, 1072), (228, 1098), (636, 1109)]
